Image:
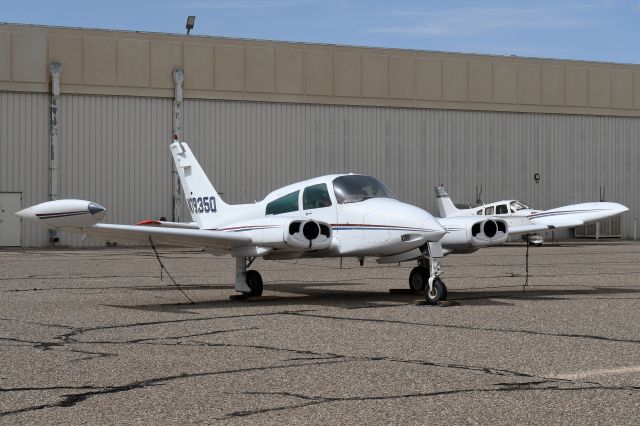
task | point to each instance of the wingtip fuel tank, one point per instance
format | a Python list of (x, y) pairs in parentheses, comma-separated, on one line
[(64, 213)]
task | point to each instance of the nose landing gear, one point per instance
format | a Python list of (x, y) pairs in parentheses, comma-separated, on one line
[(426, 277)]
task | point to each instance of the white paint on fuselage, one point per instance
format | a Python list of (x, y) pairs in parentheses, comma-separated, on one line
[(373, 227)]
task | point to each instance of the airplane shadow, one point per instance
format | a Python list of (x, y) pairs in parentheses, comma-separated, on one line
[(322, 294)]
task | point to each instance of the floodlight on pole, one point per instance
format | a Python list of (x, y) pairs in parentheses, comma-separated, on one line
[(191, 20)]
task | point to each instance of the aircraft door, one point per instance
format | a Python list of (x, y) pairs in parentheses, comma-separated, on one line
[(318, 204)]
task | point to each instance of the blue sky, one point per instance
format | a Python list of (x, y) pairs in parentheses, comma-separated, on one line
[(600, 30)]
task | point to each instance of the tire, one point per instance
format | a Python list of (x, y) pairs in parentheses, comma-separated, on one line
[(254, 281), (438, 294), (418, 279)]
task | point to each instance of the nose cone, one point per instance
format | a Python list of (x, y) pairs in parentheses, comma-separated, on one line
[(27, 213), (435, 231), (97, 211), (95, 208)]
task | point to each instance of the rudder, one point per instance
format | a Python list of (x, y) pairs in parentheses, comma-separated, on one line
[(445, 205), (203, 201)]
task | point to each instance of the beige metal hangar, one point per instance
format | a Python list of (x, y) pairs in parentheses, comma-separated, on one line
[(260, 114)]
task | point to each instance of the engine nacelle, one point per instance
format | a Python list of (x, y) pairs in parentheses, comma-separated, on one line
[(475, 234), (285, 233), (65, 213), (308, 234)]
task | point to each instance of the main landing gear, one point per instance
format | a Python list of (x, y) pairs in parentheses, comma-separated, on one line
[(421, 279), (249, 283)]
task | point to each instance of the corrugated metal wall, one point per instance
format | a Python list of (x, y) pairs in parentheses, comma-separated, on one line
[(24, 154), (250, 148), (114, 150)]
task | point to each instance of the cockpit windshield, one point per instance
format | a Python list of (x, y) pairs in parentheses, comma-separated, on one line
[(356, 188), (517, 206)]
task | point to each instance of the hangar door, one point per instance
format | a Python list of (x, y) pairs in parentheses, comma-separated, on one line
[(10, 202)]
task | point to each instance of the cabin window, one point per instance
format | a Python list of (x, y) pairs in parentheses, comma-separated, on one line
[(502, 209), (284, 204), (488, 211), (315, 197)]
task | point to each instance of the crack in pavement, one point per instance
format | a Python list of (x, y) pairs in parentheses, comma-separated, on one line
[(44, 388), (319, 358), (92, 355), (464, 327), (209, 333), (70, 336), (54, 325), (544, 385), (71, 400)]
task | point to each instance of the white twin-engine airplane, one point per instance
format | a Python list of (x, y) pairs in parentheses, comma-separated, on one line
[(347, 215), (525, 221), (330, 216)]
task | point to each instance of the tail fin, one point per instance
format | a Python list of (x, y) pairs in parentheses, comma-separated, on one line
[(203, 201), (445, 205)]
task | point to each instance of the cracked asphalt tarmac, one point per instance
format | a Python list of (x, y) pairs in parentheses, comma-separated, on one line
[(94, 336)]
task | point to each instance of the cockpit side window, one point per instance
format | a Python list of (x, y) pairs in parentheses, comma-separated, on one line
[(315, 197), (356, 188), (502, 209), (479, 212), (488, 211), (285, 204)]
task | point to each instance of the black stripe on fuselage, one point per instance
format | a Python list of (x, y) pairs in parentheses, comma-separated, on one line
[(57, 215)]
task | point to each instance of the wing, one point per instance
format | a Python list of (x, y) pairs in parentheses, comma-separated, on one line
[(568, 217), (165, 224), (534, 227), (219, 240)]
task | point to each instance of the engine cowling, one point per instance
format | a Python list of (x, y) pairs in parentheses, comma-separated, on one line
[(308, 234), (283, 233), (65, 213), (474, 234)]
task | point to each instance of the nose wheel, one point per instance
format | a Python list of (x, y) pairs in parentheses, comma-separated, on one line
[(421, 279), (437, 293)]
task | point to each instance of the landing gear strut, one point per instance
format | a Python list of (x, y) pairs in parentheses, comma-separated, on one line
[(249, 283), (426, 277)]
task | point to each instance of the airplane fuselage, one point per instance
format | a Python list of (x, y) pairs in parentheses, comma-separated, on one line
[(375, 225)]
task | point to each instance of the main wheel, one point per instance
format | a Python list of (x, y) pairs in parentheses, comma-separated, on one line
[(418, 279), (254, 281), (438, 292)]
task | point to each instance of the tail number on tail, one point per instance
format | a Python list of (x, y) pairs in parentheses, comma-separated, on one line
[(202, 204)]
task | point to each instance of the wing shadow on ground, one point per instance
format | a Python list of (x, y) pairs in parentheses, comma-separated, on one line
[(325, 294)]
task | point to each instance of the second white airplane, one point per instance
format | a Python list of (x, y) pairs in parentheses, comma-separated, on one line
[(523, 220)]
